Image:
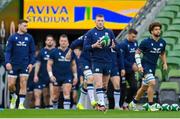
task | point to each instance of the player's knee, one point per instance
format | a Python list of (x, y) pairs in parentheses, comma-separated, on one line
[(99, 84), (152, 83), (67, 96), (11, 85), (144, 88), (37, 96), (90, 79)]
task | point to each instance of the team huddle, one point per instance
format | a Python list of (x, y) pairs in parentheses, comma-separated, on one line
[(88, 63)]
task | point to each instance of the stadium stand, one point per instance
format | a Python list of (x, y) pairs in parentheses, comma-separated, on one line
[(3, 3), (169, 92), (168, 14)]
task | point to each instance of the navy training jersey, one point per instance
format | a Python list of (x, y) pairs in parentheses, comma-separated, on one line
[(128, 51), (85, 54), (61, 66), (101, 55), (20, 49), (151, 50), (117, 59), (43, 57)]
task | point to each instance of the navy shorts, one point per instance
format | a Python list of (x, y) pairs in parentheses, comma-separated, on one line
[(85, 64), (114, 71), (60, 80), (148, 68), (102, 68), (18, 70)]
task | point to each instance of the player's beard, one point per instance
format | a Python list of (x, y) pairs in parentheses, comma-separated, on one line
[(49, 46), (157, 35)]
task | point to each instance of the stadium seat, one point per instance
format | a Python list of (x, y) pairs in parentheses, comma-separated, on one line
[(173, 62), (174, 76), (146, 34), (169, 15), (164, 21), (174, 54), (173, 2), (174, 27), (170, 85), (171, 8), (174, 73), (178, 15), (169, 92), (176, 21), (158, 74), (176, 46), (168, 47), (170, 41), (171, 34)]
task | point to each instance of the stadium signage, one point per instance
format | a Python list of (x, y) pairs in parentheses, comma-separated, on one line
[(79, 14)]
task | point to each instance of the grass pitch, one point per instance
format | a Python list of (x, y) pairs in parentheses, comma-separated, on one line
[(46, 113)]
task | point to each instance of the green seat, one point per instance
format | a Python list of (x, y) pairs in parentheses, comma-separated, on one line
[(165, 14), (174, 73), (173, 2), (164, 21), (173, 62), (172, 8), (169, 47), (158, 73), (159, 63), (174, 27), (171, 34), (170, 41), (176, 47), (146, 34), (178, 15), (170, 86), (176, 21), (174, 53)]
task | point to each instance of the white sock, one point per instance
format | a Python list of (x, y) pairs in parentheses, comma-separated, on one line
[(106, 100), (90, 90), (83, 96), (100, 96), (21, 99), (67, 104), (55, 104), (13, 95), (117, 97)]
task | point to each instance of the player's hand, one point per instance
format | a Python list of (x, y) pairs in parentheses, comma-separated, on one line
[(75, 80), (53, 78), (113, 44), (140, 69), (165, 67), (135, 67), (30, 67), (36, 78), (68, 55), (8, 66), (123, 72), (97, 45)]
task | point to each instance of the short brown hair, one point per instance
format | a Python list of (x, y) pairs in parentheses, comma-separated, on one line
[(99, 15), (22, 21), (132, 31), (49, 35), (154, 24), (63, 36)]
